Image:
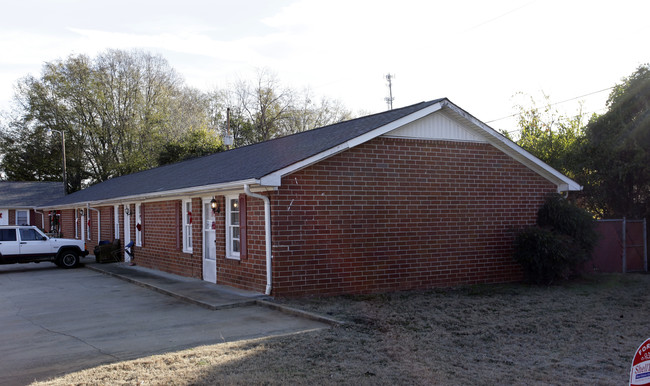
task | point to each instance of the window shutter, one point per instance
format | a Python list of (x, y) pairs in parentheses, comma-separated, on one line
[(243, 252)]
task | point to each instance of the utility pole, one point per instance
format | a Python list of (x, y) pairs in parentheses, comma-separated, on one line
[(389, 99), (228, 139), (65, 176)]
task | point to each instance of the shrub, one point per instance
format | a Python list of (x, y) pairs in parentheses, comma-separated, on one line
[(563, 217), (563, 239), (544, 254)]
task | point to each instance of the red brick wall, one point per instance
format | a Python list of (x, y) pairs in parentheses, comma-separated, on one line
[(35, 219), (107, 227), (163, 239), (397, 214), (67, 223), (250, 271)]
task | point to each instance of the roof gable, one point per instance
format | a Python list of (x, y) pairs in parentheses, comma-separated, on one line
[(440, 120), (437, 126)]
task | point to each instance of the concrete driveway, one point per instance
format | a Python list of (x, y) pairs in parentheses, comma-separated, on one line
[(56, 321)]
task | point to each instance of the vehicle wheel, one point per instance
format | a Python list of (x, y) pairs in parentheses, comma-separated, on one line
[(68, 259)]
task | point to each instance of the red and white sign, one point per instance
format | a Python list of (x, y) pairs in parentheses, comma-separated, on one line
[(640, 371)]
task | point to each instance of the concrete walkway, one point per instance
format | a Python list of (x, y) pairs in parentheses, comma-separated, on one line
[(199, 292), (208, 295)]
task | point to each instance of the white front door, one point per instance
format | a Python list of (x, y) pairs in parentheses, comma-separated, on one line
[(209, 243), (127, 230)]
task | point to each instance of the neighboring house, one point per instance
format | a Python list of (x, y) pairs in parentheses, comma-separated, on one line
[(18, 201), (416, 197)]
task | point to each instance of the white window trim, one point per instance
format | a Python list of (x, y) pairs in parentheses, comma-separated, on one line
[(76, 223), (187, 228), (138, 220), (4, 216), (16, 214), (229, 252), (82, 223), (116, 221), (87, 224)]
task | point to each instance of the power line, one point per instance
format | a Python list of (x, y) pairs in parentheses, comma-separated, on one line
[(500, 16), (557, 103)]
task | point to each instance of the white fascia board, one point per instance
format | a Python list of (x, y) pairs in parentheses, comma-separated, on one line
[(195, 191), (563, 182), (275, 179)]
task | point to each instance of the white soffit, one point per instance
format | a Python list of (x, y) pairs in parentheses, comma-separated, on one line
[(437, 126)]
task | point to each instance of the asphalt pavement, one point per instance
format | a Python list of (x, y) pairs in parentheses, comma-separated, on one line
[(55, 321)]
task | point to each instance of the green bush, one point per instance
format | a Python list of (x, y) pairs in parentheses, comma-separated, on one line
[(563, 217), (544, 254), (563, 239)]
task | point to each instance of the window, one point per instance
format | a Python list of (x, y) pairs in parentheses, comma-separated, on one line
[(22, 217), (233, 244), (55, 222), (116, 222), (30, 234), (138, 224), (7, 235), (187, 226)]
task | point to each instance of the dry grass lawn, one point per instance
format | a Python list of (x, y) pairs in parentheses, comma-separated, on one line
[(583, 332)]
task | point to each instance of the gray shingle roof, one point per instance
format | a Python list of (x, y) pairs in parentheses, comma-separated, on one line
[(249, 162), (29, 194)]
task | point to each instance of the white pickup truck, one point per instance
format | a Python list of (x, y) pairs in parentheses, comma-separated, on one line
[(27, 244)]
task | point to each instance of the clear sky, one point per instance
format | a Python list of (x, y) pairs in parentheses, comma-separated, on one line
[(479, 54)]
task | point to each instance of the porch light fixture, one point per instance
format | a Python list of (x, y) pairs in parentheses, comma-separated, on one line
[(127, 211), (215, 206), (213, 203)]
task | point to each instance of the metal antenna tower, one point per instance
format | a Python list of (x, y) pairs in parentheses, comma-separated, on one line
[(389, 99)]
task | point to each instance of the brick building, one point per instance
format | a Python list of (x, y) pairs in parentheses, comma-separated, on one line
[(19, 200), (416, 197)]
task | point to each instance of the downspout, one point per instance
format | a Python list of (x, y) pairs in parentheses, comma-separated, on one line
[(267, 233), (99, 221), (42, 218)]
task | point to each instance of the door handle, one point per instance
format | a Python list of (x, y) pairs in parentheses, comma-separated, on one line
[(23, 242)]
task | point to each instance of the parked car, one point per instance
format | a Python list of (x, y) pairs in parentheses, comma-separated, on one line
[(28, 244)]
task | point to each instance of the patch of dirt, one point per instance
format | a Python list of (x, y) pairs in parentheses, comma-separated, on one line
[(583, 332)]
